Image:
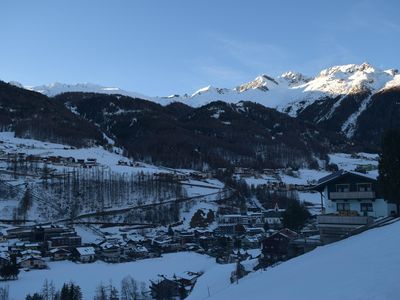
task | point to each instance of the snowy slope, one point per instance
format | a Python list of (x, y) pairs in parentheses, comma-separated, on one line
[(361, 267), (89, 276)]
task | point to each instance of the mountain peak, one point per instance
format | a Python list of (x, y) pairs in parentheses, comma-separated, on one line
[(348, 69), (209, 89), (294, 78), (262, 82)]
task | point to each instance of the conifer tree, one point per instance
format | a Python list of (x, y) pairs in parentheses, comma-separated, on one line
[(389, 167)]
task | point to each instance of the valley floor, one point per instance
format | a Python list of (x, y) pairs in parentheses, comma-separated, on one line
[(89, 276)]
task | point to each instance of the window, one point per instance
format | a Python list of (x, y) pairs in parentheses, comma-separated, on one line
[(366, 207), (364, 187), (342, 188), (343, 206)]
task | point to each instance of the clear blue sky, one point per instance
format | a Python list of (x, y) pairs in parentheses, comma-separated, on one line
[(175, 46)]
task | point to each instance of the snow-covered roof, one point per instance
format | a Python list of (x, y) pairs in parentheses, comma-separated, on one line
[(324, 180), (55, 250), (30, 257), (29, 251), (85, 250)]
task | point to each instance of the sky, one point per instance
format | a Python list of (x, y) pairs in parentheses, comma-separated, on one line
[(178, 46)]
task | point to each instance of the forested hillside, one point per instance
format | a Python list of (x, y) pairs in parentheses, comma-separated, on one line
[(217, 134), (33, 115)]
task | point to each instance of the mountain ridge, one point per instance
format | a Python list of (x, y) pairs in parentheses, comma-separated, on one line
[(346, 99)]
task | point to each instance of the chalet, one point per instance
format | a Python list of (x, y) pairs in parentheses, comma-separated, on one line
[(238, 255), (84, 254), (122, 162), (138, 252), (185, 237), (110, 252), (351, 202), (350, 193), (59, 254), (91, 162), (32, 262), (237, 224), (68, 160), (276, 247), (30, 252), (206, 242), (177, 287), (54, 159), (251, 242), (66, 241), (251, 231), (166, 244)]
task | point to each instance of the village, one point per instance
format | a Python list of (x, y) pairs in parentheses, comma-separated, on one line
[(212, 222), (236, 237)]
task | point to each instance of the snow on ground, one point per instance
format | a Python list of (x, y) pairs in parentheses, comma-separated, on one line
[(260, 180), (88, 235), (311, 197), (365, 267), (89, 276), (7, 208), (304, 176), (187, 213), (12, 144), (212, 282), (349, 163)]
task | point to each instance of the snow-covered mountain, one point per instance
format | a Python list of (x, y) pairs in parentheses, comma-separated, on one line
[(289, 92), (336, 98), (286, 91), (57, 88)]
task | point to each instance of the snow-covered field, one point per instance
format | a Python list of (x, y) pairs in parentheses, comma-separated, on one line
[(12, 144), (107, 160), (89, 276), (349, 163), (304, 176), (364, 267)]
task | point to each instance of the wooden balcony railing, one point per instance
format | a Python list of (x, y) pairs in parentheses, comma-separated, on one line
[(351, 195)]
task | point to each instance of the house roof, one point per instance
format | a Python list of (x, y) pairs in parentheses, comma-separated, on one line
[(56, 250), (287, 233), (29, 251), (30, 257), (322, 182), (85, 250)]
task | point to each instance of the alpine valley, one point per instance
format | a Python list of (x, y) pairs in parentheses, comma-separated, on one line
[(181, 196), (292, 120)]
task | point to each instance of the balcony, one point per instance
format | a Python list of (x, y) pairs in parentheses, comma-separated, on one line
[(343, 220), (351, 195)]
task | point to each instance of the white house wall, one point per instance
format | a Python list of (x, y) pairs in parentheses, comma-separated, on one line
[(380, 207)]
